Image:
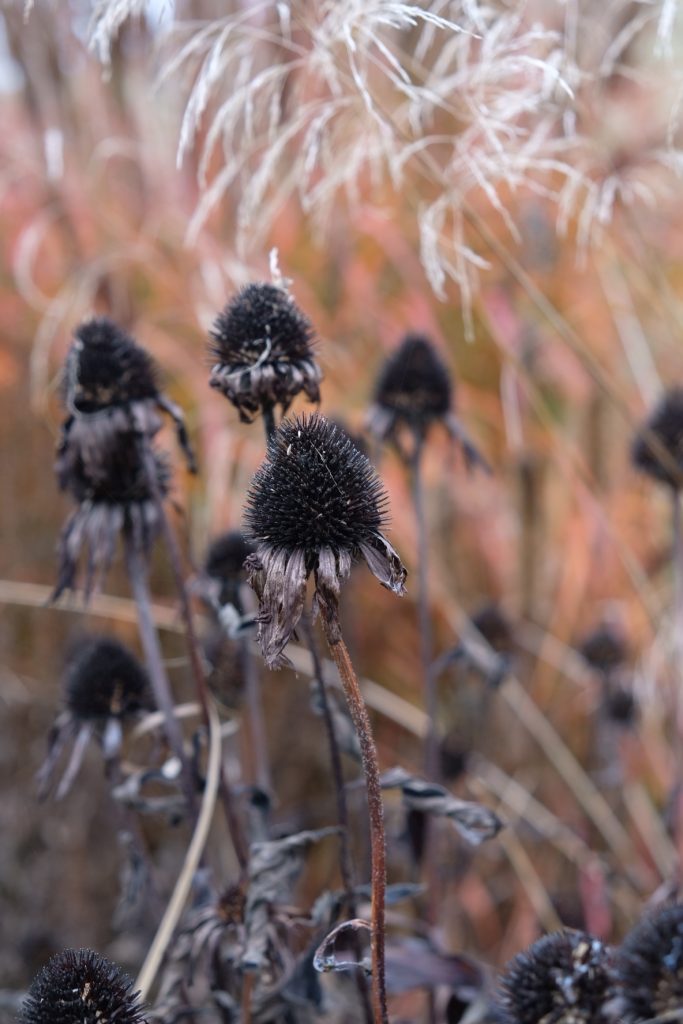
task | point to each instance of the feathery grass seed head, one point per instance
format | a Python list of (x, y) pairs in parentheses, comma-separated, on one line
[(564, 978), (81, 987)]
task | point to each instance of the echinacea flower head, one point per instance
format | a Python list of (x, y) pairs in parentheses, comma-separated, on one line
[(105, 680), (111, 387), (666, 424), (119, 498), (413, 389), (649, 966), (564, 978), (81, 987), (224, 571), (314, 507), (604, 648), (262, 344)]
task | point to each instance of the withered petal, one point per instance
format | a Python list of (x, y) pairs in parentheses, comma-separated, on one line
[(384, 563)]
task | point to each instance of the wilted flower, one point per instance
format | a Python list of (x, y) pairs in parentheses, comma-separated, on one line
[(103, 685), (495, 627), (666, 424), (564, 978), (111, 388), (315, 505), (414, 391), (649, 966), (81, 987), (262, 343), (621, 706), (604, 648), (118, 499), (224, 570)]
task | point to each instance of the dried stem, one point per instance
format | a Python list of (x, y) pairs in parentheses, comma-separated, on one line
[(269, 421), (196, 664), (424, 617), (345, 862), (361, 721), (137, 574), (677, 794)]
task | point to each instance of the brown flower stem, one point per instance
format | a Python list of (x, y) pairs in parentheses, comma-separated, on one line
[(345, 862), (361, 721), (137, 574), (196, 664), (257, 726), (424, 617)]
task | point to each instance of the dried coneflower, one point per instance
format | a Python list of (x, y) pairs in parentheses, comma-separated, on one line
[(111, 387), (604, 649), (104, 684), (665, 425), (224, 570), (119, 500), (649, 967), (564, 978), (262, 344), (81, 987), (314, 507)]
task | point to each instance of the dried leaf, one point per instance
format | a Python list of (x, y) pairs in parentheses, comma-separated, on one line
[(474, 822)]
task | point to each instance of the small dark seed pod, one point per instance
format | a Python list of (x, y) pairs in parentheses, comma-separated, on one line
[(81, 987), (649, 966), (104, 679), (666, 424)]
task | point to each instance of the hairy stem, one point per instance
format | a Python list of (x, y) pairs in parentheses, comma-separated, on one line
[(370, 762), (137, 574), (345, 862)]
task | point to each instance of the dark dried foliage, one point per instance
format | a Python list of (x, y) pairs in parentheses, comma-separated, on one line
[(81, 987), (649, 966), (564, 978), (666, 423), (604, 649), (104, 679)]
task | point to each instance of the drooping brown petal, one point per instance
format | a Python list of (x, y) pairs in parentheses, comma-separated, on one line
[(283, 581), (384, 563), (332, 570)]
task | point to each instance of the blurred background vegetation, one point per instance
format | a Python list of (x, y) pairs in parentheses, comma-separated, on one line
[(559, 273)]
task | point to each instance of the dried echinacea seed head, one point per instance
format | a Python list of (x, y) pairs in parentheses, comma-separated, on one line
[(103, 680), (262, 344), (81, 987), (604, 649), (666, 425), (564, 978), (105, 367), (649, 967), (413, 389), (315, 505)]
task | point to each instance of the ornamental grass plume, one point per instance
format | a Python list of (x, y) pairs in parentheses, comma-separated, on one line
[(111, 387), (104, 685), (563, 978), (81, 987), (262, 344), (649, 967), (314, 507)]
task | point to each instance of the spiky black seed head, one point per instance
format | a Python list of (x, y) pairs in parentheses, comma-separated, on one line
[(414, 383), (262, 344), (105, 367), (666, 423), (259, 317), (649, 965), (104, 679), (604, 649), (564, 978), (81, 987), (227, 554), (495, 627), (315, 490)]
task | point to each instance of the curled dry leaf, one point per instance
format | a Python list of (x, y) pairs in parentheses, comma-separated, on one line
[(474, 822), (327, 954)]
